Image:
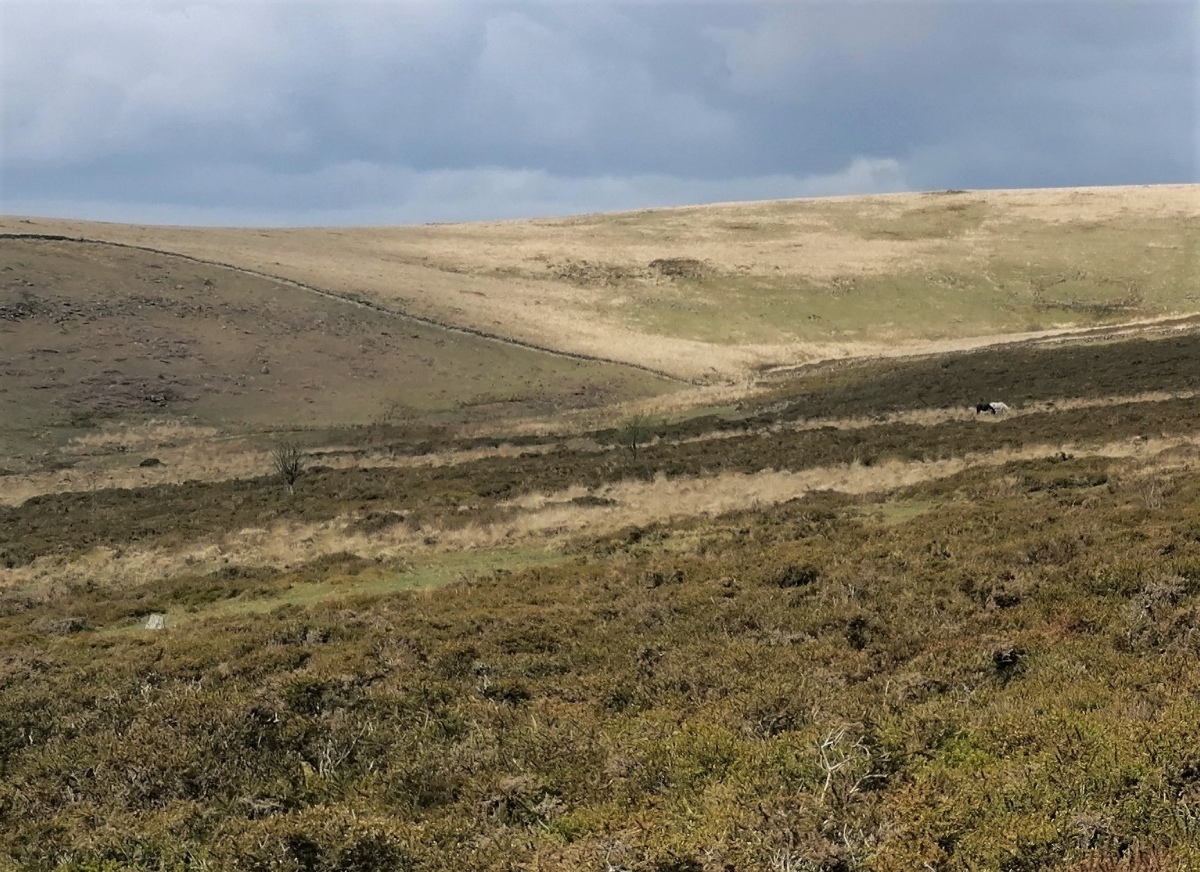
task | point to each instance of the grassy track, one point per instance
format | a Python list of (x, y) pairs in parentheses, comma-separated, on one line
[(225, 593)]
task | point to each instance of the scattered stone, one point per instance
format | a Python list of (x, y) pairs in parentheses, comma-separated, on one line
[(156, 621), (151, 461), (265, 369)]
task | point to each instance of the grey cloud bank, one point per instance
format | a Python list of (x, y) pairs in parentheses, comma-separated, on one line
[(357, 113)]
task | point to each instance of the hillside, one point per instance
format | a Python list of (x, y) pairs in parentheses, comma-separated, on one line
[(92, 333), (527, 610), (911, 637), (713, 292)]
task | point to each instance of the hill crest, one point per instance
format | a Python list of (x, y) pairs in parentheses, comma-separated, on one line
[(718, 292)]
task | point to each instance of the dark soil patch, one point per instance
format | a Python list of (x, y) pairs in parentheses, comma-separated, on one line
[(1014, 375)]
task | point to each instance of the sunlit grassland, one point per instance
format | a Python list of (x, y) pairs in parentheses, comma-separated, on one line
[(710, 292), (834, 620), (1042, 276)]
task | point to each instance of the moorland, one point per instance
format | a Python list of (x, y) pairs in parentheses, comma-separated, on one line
[(667, 540)]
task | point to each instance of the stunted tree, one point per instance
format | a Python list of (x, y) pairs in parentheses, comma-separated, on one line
[(288, 462), (636, 432)]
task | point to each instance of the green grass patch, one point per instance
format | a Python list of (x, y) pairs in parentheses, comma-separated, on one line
[(421, 573), (1030, 277)]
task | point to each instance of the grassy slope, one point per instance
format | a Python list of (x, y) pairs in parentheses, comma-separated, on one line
[(748, 284), (990, 670), (472, 492), (993, 669), (95, 331), (986, 672)]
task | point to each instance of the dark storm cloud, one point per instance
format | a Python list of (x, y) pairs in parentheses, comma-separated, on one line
[(1014, 93), (296, 112)]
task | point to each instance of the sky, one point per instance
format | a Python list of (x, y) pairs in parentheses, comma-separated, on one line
[(343, 112)]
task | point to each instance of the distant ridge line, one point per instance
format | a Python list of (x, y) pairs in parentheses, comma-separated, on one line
[(357, 301)]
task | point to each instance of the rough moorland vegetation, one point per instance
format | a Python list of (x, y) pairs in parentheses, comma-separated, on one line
[(994, 669), (711, 291), (527, 614)]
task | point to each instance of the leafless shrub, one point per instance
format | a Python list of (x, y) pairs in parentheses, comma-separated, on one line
[(635, 432), (288, 462), (849, 765), (1151, 492)]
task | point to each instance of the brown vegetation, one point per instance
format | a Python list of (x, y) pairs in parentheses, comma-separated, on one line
[(485, 607), (710, 292), (90, 333), (1004, 679)]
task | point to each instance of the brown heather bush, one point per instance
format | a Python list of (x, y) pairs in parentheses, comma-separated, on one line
[(992, 670), (817, 687)]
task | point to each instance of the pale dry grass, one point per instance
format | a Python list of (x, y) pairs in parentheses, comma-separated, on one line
[(1101, 203), (1157, 325), (192, 453), (109, 458), (216, 461), (148, 435), (641, 502), (205, 461), (567, 424), (506, 278), (554, 520)]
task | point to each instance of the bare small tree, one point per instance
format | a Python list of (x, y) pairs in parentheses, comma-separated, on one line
[(288, 462), (636, 432)]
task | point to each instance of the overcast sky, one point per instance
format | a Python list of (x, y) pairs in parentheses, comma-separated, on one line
[(348, 112)]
